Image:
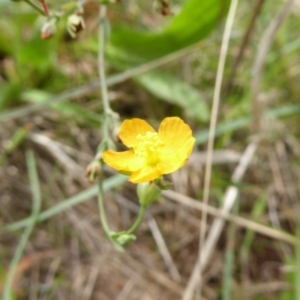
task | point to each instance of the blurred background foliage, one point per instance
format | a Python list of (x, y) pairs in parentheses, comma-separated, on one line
[(157, 66)]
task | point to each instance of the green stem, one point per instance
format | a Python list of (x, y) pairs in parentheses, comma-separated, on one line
[(103, 218), (101, 203), (45, 7), (36, 7), (101, 62), (138, 220), (106, 134), (107, 111), (36, 204)]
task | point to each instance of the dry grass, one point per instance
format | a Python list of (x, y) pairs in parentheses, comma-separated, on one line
[(68, 256)]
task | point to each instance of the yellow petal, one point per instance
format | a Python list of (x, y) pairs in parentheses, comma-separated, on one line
[(178, 144), (172, 161), (130, 129), (124, 161), (146, 174)]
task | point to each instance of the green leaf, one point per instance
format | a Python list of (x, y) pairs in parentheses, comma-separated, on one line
[(129, 47), (7, 35), (195, 21), (8, 93), (36, 54), (175, 91)]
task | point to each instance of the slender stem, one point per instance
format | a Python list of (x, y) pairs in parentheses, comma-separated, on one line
[(101, 62), (260, 60), (103, 218), (36, 204), (242, 49), (101, 203), (196, 279), (35, 6), (107, 112), (138, 220), (104, 94), (45, 6)]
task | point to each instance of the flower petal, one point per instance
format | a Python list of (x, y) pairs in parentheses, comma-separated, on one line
[(146, 174), (178, 144), (172, 161), (130, 129), (124, 161)]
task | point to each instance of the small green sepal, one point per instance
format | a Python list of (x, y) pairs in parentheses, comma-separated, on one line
[(148, 193)]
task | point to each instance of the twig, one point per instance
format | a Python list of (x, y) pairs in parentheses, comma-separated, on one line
[(90, 283), (228, 202), (242, 222), (218, 224), (123, 295), (58, 153), (50, 277), (263, 49), (219, 157), (188, 294), (163, 249)]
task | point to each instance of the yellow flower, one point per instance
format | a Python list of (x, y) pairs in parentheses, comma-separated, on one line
[(151, 154)]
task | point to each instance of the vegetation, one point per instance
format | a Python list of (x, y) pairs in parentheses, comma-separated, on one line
[(227, 227)]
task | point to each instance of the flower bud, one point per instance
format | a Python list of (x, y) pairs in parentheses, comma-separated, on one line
[(147, 192), (92, 171), (48, 29), (75, 24)]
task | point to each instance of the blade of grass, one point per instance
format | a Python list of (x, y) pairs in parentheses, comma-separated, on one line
[(15, 141), (228, 265), (36, 204), (229, 259), (35, 96), (257, 211), (234, 125), (196, 278), (108, 184)]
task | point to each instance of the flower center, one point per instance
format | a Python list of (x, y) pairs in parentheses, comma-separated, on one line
[(148, 147)]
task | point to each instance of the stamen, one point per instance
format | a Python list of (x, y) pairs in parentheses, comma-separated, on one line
[(148, 147)]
